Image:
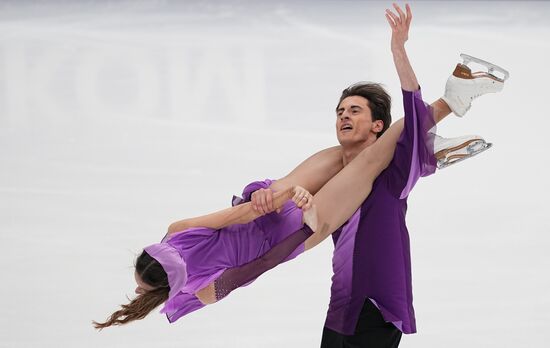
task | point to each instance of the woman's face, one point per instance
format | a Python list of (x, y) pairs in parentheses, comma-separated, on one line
[(142, 286)]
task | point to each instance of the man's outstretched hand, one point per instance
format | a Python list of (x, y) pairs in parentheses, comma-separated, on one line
[(400, 25), (399, 35)]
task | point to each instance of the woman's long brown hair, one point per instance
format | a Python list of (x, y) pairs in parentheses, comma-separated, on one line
[(152, 273)]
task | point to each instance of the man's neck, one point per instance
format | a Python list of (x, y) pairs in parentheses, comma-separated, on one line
[(352, 150)]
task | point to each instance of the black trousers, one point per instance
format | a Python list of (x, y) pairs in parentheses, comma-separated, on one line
[(371, 332)]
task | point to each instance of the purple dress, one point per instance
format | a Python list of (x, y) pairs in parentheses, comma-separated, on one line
[(372, 253), (208, 253)]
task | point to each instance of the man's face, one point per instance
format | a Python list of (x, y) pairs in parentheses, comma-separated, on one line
[(354, 123)]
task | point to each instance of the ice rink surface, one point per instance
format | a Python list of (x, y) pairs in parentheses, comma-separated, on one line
[(120, 117)]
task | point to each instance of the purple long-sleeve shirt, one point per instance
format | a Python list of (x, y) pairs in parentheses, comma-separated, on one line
[(372, 253)]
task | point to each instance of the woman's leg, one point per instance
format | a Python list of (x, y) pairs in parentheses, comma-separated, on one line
[(314, 172), (351, 186), (440, 110), (318, 169)]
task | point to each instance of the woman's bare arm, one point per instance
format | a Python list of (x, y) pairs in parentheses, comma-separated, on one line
[(240, 214)]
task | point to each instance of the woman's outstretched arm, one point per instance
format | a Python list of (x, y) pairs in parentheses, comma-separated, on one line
[(240, 214)]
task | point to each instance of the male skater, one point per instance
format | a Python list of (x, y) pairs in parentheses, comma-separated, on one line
[(371, 294)]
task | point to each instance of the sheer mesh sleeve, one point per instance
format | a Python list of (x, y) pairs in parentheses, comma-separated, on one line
[(235, 277)]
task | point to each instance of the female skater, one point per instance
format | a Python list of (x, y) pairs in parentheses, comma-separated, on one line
[(203, 259)]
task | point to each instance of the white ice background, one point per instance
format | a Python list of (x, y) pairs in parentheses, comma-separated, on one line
[(120, 117)]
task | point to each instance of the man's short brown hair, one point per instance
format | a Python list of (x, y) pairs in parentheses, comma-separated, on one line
[(379, 101)]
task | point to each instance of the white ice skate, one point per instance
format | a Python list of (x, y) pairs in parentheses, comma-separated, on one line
[(449, 151), (463, 86)]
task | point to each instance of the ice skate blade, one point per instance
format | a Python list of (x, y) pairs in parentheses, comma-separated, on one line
[(474, 148), (468, 144), (491, 67)]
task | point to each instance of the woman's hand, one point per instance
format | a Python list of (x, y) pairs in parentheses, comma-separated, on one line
[(302, 198), (399, 26), (262, 201)]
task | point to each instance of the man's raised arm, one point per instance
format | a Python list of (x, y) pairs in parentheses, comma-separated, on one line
[(400, 33)]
